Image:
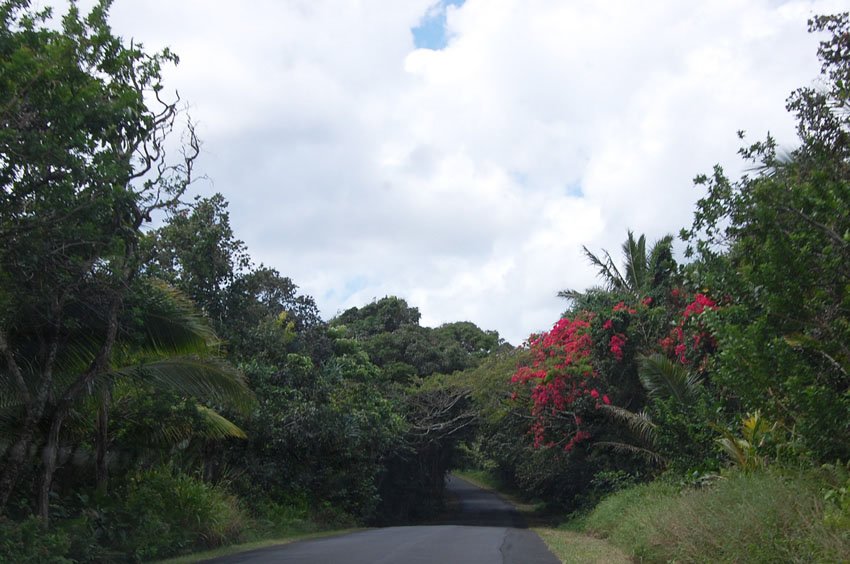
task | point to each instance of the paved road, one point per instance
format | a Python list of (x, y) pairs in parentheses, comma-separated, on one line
[(485, 530)]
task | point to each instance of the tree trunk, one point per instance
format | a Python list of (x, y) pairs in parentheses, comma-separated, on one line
[(83, 382), (102, 442), (15, 457)]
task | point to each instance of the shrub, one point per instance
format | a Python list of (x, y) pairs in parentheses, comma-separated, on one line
[(28, 542), (170, 512)]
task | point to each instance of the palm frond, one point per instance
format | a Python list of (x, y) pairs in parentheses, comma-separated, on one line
[(172, 323), (625, 448), (639, 424), (634, 256), (608, 271), (216, 426), (570, 294), (209, 379), (663, 378), (737, 450)]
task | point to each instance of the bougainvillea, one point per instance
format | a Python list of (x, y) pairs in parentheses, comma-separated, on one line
[(563, 384), (617, 326), (690, 341)]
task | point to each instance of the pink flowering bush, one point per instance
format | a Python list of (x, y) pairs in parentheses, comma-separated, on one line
[(562, 384), (690, 341)]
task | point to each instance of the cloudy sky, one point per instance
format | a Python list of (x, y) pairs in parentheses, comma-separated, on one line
[(459, 154)]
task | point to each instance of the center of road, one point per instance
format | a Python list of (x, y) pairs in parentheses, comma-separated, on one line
[(485, 530)]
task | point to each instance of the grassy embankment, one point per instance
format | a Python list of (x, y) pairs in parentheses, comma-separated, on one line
[(765, 516)]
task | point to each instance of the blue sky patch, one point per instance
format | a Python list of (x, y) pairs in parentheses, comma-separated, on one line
[(431, 31)]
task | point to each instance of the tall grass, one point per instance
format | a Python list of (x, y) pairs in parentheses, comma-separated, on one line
[(759, 517), (170, 512)]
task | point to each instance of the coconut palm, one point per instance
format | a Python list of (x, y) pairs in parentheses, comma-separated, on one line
[(163, 343), (641, 272)]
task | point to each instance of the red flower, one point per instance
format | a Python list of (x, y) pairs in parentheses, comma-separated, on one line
[(623, 307), (616, 345), (605, 400), (680, 353), (557, 375), (594, 394), (700, 304)]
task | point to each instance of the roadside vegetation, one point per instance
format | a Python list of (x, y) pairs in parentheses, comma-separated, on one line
[(162, 394), (699, 411)]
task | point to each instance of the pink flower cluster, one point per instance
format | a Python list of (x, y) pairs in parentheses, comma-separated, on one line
[(560, 375), (616, 344), (676, 343)]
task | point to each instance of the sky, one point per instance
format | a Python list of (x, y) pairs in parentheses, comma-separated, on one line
[(459, 154)]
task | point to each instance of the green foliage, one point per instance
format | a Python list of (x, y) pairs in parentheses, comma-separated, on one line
[(757, 517), (383, 316), (197, 251), (169, 512), (319, 431), (28, 542), (778, 244)]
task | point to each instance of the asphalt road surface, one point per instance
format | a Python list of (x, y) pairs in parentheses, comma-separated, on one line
[(484, 530)]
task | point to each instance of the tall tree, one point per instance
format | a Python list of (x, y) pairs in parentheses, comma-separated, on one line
[(778, 243), (82, 167), (198, 252)]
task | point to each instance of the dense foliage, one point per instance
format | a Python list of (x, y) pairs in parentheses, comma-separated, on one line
[(678, 372), (161, 393)]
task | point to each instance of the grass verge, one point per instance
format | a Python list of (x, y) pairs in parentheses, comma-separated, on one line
[(254, 545), (578, 548), (759, 517)]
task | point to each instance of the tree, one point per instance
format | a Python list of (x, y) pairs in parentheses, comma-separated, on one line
[(197, 251), (778, 243), (383, 316), (82, 167), (643, 274)]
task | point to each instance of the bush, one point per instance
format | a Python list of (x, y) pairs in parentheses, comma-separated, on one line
[(757, 517), (28, 542), (282, 516), (169, 512)]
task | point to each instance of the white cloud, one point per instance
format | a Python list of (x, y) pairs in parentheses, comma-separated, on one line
[(467, 179)]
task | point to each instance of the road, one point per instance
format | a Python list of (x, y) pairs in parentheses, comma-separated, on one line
[(484, 530)]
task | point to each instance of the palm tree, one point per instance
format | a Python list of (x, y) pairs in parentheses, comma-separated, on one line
[(163, 343), (641, 272), (662, 378)]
